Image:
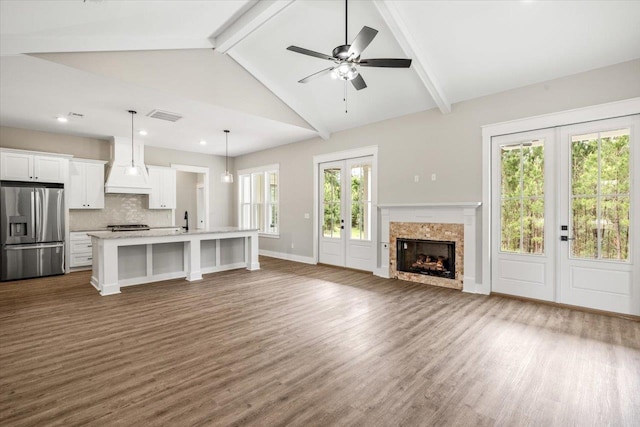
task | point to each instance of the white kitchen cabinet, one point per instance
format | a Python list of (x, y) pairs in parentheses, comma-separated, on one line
[(18, 165), (80, 249), (163, 187), (86, 184)]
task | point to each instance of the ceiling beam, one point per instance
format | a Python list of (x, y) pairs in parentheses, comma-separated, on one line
[(259, 13), (392, 18), (292, 101)]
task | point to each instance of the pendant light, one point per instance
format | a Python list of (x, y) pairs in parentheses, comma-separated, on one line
[(133, 169), (226, 177)]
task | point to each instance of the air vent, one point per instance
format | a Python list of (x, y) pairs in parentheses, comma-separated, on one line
[(164, 115)]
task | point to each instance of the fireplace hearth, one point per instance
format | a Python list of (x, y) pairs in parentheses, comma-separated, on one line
[(427, 257)]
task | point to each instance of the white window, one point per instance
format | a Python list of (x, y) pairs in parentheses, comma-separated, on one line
[(258, 197)]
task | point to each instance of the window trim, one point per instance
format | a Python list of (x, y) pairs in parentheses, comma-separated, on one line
[(264, 170)]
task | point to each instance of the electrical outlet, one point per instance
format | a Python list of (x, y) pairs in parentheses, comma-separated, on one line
[(433, 177), (416, 178)]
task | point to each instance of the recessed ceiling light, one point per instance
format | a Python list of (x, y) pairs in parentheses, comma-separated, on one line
[(62, 119), (143, 132), (203, 142)]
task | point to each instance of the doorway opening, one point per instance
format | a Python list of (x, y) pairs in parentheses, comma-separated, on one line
[(192, 196)]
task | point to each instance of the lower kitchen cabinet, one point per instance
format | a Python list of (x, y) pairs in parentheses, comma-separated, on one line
[(80, 249)]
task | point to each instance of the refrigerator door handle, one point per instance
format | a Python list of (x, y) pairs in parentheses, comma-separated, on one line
[(39, 219), (25, 247), (33, 214)]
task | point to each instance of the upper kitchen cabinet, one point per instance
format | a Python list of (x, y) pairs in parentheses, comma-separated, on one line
[(86, 184), (163, 187), (19, 165)]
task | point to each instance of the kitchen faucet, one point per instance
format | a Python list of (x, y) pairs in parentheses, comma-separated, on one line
[(186, 220)]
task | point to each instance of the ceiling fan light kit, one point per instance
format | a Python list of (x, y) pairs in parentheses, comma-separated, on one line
[(345, 71)]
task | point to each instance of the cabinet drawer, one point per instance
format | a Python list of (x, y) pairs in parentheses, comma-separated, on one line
[(80, 247), (79, 260), (79, 235)]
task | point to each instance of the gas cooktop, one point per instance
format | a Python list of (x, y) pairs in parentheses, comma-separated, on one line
[(128, 227)]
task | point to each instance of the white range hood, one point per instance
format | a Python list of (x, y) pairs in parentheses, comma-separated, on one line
[(118, 181)]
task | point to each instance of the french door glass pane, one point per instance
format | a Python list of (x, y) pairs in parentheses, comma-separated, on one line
[(533, 226), (614, 161), (522, 197), (533, 169), (360, 202), (614, 228), (510, 216), (584, 165), (585, 233), (600, 188), (332, 204)]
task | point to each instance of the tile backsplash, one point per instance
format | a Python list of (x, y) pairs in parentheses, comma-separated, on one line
[(119, 209)]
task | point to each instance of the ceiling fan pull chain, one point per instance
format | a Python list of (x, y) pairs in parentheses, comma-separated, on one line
[(346, 109)]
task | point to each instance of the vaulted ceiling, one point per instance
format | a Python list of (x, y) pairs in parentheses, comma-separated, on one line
[(224, 64)]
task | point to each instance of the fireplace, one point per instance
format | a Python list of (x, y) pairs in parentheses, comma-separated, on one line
[(441, 222), (427, 257)]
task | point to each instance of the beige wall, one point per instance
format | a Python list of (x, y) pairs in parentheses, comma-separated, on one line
[(221, 211), (24, 139), (429, 142)]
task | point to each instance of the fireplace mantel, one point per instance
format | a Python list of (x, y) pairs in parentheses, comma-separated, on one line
[(431, 205), (465, 213)]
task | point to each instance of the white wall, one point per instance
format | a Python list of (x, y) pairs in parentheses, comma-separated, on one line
[(429, 142)]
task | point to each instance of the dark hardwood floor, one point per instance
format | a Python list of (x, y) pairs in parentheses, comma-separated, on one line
[(303, 345)]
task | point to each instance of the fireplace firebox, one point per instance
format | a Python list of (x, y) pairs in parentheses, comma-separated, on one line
[(428, 257)]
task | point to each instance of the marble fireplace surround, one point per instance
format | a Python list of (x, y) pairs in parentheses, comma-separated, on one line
[(434, 221)]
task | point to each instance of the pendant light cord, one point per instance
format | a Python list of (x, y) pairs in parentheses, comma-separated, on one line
[(226, 151), (132, 112)]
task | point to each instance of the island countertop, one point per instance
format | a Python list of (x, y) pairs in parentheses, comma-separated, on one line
[(165, 232), (126, 258)]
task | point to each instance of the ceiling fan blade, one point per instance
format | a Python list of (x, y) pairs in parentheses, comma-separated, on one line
[(358, 82), (362, 40), (386, 62), (310, 53), (316, 75)]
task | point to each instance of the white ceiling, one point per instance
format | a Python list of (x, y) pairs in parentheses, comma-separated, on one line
[(157, 54)]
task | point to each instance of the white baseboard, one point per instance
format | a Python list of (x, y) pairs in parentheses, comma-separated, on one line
[(382, 272), (289, 257), (218, 268)]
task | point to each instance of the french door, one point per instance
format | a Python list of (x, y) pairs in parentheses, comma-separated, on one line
[(345, 209), (565, 214)]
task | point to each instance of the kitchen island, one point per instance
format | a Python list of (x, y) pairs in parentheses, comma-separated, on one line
[(135, 257)]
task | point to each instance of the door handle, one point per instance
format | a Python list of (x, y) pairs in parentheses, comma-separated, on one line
[(566, 238), (22, 248)]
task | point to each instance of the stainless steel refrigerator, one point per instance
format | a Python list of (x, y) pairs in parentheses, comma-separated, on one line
[(32, 230)]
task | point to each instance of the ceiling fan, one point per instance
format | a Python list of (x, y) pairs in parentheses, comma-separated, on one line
[(346, 58)]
